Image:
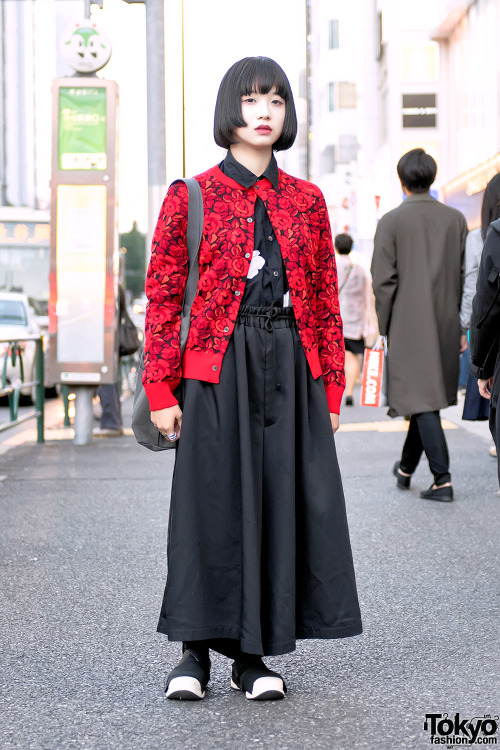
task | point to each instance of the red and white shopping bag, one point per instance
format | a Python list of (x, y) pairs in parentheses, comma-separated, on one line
[(374, 380)]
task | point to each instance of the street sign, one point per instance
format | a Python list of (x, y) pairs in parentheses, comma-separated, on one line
[(84, 234), (85, 46), (82, 127)]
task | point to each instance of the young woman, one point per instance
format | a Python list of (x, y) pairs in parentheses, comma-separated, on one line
[(355, 298), (258, 550)]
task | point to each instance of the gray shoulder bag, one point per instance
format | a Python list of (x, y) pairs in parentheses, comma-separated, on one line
[(145, 432)]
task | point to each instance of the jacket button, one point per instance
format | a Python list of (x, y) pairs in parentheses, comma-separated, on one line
[(276, 273), (237, 293), (249, 219), (247, 255), (226, 329), (215, 368)]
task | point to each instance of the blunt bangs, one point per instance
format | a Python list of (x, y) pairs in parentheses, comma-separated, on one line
[(259, 74)]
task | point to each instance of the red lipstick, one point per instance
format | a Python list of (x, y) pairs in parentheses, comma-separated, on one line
[(264, 129)]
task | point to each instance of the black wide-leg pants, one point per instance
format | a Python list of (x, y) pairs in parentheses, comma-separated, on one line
[(258, 547), (494, 424)]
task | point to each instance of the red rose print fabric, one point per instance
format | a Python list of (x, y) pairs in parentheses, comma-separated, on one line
[(299, 216)]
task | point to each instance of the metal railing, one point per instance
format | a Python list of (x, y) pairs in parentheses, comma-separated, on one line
[(14, 352)]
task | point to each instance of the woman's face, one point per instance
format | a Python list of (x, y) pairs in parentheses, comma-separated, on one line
[(264, 115)]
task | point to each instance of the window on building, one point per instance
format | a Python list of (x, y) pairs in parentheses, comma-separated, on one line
[(347, 95), (333, 34), (379, 39), (384, 117), (331, 97), (327, 160), (348, 148)]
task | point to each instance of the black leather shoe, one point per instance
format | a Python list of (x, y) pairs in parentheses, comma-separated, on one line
[(188, 680), (258, 682), (403, 482), (444, 494)]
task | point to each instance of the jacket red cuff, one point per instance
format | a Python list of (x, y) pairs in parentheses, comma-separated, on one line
[(334, 394), (160, 395)]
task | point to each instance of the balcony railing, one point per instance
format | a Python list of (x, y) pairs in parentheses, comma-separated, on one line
[(13, 383)]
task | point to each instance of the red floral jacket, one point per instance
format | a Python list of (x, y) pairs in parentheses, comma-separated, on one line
[(299, 216)]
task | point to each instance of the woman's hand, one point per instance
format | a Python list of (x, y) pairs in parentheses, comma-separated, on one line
[(463, 343), (168, 421), (335, 422), (485, 387)]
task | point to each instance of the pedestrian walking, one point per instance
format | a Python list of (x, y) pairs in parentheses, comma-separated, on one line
[(111, 423), (258, 552), (355, 298), (475, 406), (417, 272), (484, 328)]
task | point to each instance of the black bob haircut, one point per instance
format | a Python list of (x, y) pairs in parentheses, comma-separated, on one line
[(343, 244), (258, 74), (417, 170)]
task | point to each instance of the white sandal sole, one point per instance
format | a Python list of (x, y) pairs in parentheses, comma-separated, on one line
[(185, 689), (264, 689)]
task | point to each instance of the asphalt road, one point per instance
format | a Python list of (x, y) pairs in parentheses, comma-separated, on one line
[(83, 560)]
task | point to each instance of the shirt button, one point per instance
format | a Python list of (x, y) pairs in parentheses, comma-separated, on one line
[(215, 368), (247, 255), (276, 273), (256, 187), (237, 293), (270, 238), (226, 329), (249, 219)]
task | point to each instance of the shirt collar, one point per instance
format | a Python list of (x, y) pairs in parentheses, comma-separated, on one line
[(236, 171)]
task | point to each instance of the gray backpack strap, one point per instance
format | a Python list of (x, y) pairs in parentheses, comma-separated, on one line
[(193, 239)]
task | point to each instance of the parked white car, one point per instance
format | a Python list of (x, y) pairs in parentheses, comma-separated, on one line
[(17, 319)]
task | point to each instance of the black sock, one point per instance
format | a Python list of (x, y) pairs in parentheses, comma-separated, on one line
[(199, 649)]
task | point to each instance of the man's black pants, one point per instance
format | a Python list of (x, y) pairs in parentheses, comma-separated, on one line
[(425, 433)]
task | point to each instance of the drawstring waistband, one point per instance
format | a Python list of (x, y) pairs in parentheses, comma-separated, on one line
[(268, 318)]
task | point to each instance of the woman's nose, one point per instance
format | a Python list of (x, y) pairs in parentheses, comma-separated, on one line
[(264, 112)]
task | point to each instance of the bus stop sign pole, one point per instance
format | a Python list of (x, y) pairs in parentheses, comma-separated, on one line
[(84, 252)]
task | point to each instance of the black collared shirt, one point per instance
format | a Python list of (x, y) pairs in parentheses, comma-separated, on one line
[(266, 283)]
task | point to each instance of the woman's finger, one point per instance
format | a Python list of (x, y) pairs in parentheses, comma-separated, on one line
[(483, 386)]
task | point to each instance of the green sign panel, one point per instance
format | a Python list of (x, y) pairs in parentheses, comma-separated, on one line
[(82, 128)]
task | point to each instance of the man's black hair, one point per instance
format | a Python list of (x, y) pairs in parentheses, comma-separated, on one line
[(343, 244), (417, 170), (257, 74)]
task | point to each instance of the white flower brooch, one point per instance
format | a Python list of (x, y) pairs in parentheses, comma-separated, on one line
[(256, 264)]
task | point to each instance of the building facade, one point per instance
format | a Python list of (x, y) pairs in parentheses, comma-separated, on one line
[(467, 33), (334, 74), (29, 60)]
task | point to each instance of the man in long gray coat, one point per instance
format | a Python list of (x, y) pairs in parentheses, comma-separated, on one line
[(417, 271)]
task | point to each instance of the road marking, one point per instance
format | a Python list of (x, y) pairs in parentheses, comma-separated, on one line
[(395, 425)]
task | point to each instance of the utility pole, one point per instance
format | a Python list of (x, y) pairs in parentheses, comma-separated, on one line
[(157, 170), (3, 113)]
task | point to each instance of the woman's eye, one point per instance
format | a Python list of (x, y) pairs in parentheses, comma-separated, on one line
[(249, 100), (278, 101)]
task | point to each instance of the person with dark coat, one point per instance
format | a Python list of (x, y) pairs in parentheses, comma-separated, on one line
[(475, 406), (258, 548), (417, 272), (485, 328), (111, 424)]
